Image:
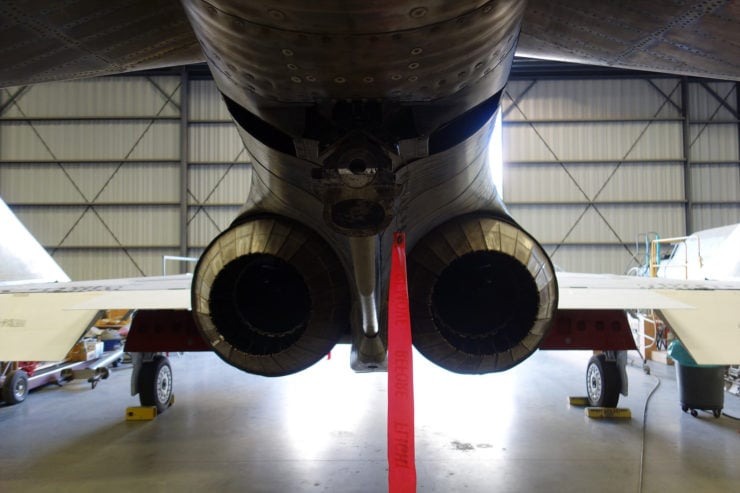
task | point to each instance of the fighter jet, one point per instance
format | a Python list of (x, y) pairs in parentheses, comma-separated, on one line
[(367, 118)]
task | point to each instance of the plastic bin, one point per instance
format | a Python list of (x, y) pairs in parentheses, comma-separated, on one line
[(699, 386)]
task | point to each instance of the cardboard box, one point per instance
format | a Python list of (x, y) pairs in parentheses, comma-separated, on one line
[(79, 352), (85, 351)]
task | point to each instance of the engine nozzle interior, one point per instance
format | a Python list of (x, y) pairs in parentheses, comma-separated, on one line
[(270, 296), (482, 294)]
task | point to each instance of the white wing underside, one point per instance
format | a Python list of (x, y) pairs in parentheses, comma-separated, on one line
[(41, 322), (704, 314)]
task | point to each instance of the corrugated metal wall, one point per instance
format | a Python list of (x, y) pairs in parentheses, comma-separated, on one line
[(93, 168), (593, 164)]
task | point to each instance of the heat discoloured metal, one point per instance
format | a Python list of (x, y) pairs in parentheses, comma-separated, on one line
[(301, 53)]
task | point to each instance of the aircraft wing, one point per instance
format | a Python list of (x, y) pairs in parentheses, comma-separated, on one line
[(41, 322), (689, 38), (44, 41), (704, 314)]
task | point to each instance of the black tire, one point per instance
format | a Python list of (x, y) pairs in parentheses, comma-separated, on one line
[(717, 413), (694, 413), (15, 388), (155, 383), (603, 382)]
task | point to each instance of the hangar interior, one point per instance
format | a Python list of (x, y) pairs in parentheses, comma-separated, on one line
[(112, 174)]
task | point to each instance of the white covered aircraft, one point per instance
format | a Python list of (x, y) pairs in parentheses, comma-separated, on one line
[(365, 118)]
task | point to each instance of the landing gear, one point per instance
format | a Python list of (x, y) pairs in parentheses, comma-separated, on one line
[(603, 382), (15, 388), (155, 383)]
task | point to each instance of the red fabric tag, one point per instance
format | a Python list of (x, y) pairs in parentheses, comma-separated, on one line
[(401, 460)]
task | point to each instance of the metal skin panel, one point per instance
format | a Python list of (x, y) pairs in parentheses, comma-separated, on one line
[(299, 54), (45, 41), (698, 38)]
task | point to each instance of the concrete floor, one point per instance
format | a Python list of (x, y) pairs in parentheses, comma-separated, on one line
[(324, 430)]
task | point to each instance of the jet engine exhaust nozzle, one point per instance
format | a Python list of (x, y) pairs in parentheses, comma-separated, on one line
[(270, 296), (483, 294)]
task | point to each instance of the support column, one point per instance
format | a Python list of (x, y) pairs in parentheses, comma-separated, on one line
[(184, 146), (689, 204), (737, 115)]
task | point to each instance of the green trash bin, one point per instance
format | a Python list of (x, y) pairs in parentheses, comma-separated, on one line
[(699, 386)]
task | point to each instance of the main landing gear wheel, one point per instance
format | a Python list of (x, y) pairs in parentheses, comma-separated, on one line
[(15, 388), (155, 383), (602, 382)]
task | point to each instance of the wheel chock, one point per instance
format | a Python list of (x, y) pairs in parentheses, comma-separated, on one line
[(608, 413), (141, 413), (578, 401)]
